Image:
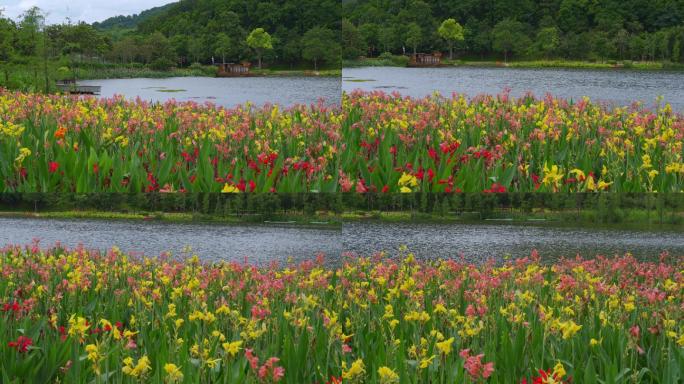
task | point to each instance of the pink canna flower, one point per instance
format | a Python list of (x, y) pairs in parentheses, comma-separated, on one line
[(474, 366), (270, 371), (253, 360)]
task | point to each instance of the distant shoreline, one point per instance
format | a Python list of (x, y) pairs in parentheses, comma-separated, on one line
[(396, 61), (130, 73)]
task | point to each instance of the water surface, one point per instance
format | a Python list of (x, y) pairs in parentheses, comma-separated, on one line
[(617, 87), (262, 243), (227, 92)]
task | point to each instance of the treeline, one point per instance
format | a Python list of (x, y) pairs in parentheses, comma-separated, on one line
[(301, 30), (594, 207), (33, 54), (530, 29)]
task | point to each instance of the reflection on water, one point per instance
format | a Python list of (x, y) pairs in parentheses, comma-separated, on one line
[(261, 244), (227, 92), (618, 87)]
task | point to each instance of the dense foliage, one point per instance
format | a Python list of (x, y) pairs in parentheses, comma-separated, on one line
[(83, 316), (374, 142), (572, 29), (193, 26)]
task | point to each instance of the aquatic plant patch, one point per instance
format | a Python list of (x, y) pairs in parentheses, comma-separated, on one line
[(80, 316)]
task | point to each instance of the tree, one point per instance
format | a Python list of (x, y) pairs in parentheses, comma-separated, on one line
[(291, 50), (320, 43), (28, 33), (413, 36), (452, 32), (179, 44), (547, 41), (509, 36), (352, 42), (387, 37), (369, 33), (223, 46), (622, 42), (7, 30), (196, 50), (676, 49), (259, 40)]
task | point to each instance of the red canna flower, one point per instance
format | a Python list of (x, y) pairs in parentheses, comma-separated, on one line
[(433, 154), (52, 167), (21, 344), (495, 188), (14, 307), (431, 174), (420, 174), (547, 377)]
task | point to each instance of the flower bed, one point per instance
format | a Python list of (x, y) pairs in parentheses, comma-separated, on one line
[(373, 142), (79, 315)]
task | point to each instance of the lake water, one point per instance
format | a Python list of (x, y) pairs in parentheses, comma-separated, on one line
[(227, 92), (265, 243), (618, 87)]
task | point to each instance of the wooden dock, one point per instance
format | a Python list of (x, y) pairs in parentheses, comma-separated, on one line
[(425, 60), (233, 69), (73, 88)]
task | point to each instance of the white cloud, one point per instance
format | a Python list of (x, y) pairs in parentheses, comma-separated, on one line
[(79, 10)]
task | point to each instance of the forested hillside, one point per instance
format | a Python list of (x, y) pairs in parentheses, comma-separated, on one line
[(130, 21), (571, 29)]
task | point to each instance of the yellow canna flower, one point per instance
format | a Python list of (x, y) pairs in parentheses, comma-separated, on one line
[(445, 346), (387, 375), (173, 373), (232, 348), (357, 370), (228, 188)]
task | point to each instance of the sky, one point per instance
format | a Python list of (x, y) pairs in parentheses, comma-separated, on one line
[(79, 10)]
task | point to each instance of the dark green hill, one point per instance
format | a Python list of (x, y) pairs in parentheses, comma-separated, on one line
[(130, 21)]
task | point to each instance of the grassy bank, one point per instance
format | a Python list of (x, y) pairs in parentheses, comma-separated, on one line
[(119, 72), (628, 219), (402, 61), (193, 71), (328, 220), (297, 72)]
